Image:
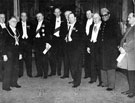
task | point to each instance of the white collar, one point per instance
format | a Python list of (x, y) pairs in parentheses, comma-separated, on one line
[(40, 22), (23, 22), (98, 24)]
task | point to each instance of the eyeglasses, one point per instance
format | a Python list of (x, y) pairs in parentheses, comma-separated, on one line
[(105, 15)]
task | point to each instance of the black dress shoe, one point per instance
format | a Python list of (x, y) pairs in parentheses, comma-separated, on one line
[(99, 85), (30, 76), (45, 77), (20, 76), (131, 95), (63, 77), (17, 86), (126, 92), (7, 89), (71, 82), (75, 86), (85, 77), (51, 75), (109, 89), (91, 82), (38, 76), (59, 74)]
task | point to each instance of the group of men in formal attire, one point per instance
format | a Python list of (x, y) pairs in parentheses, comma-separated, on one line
[(63, 39)]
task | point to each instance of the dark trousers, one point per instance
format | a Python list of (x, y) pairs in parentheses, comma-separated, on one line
[(1, 68), (26, 50), (66, 62), (87, 64), (75, 58), (131, 81), (11, 70), (56, 57), (95, 69), (41, 61)]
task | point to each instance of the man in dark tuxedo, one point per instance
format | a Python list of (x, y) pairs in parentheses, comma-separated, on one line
[(57, 46), (25, 29), (64, 31), (75, 47), (87, 62), (11, 56), (2, 39), (42, 36), (95, 31)]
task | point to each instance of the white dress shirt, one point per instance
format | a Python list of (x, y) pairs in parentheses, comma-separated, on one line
[(24, 27), (3, 25), (95, 31), (57, 25), (88, 24), (70, 31)]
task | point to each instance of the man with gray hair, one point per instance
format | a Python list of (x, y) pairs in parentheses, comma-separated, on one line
[(11, 56), (95, 31), (63, 31)]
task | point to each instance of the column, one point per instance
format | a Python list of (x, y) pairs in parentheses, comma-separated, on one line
[(16, 8)]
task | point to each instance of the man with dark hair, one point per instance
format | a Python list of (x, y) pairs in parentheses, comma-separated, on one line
[(57, 47), (87, 56), (25, 29), (41, 38), (75, 47), (128, 44)]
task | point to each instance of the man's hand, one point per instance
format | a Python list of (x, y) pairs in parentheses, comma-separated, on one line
[(20, 57), (5, 58), (88, 50), (122, 50)]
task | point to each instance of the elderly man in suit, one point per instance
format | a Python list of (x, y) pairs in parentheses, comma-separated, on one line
[(25, 29), (11, 56), (128, 44), (2, 39), (75, 47), (95, 32), (40, 40), (108, 49)]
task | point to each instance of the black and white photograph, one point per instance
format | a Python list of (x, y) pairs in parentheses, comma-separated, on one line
[(67, 51)]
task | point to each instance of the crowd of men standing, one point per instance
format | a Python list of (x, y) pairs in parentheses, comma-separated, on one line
[(62, 39)]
